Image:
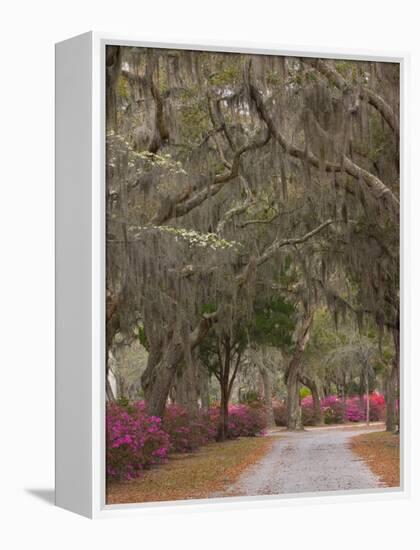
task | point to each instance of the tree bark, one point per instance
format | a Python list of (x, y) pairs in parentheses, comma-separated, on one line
[(203, 387), (224, 391), (186, 387), (112, 327), (113, 67), (161, 368), (294, 413), (109, 393), (148, 376), (226, 376), (378, 102), (222, 432), (160, 379), (392, 385), (316, 399), (268, 389)]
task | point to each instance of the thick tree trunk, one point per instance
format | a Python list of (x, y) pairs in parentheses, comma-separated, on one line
[(186, 384), (390, 394), (267, 385), (113, 66), (203, 387), (224, 415), (161, 368), (158, 377), (112, 327), (157, 393), (294, 413), (316, 399), (109, 393), (224, 391), (148, 376), (319, 416), (392, 386)]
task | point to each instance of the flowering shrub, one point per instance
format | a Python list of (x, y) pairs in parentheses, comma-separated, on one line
[(280, 413), (243, 421), (335, 411), (356, 408), (134, 441), (377, 406), (187, 432), (246, 420), (308, 411)]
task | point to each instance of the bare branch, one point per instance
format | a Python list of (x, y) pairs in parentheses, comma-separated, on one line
[(275, 247), (378, 189), (373, 98), (181, 206)]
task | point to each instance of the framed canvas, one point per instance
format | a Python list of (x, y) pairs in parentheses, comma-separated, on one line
[(228, 275)]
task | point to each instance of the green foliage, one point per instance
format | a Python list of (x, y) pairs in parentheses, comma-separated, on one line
[(123, 402), (194, 116), (123, 91), (142, 337), (225, 76), (380, 140), (273, 78), (250, 396), (274, 322), (304, 392), (208, 308), (348, 69)]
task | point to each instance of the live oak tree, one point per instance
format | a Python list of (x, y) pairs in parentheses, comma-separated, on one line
[(221, 168)]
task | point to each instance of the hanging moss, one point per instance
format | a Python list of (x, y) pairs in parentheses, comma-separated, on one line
[(212, 158)]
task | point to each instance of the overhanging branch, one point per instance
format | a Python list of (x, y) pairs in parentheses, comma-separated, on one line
[(377, 188)]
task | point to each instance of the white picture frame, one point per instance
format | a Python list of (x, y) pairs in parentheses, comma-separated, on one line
[(80, 277)]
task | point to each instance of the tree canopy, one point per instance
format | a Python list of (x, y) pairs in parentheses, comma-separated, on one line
[(244, 193)]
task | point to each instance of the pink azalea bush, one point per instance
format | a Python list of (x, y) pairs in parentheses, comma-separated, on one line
[(186, 432), (308, 411), (280, 413), (244, 420), (135, 441), (356, 408), (334, 410)]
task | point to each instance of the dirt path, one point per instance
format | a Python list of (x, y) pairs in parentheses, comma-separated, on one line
[(318, 459)]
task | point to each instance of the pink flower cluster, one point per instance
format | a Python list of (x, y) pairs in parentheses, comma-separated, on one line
[(356, 408), (135, 441), (187, 432), (334, 410), (244, 420)]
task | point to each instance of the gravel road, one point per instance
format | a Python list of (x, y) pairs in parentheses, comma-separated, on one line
[(318, 459)]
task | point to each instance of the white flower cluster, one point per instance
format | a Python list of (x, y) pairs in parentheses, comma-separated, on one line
[(140, 160), (164, 161), (194, 238)]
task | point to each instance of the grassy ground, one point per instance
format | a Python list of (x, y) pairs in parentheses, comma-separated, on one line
[(195, 475), (381, 451)]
